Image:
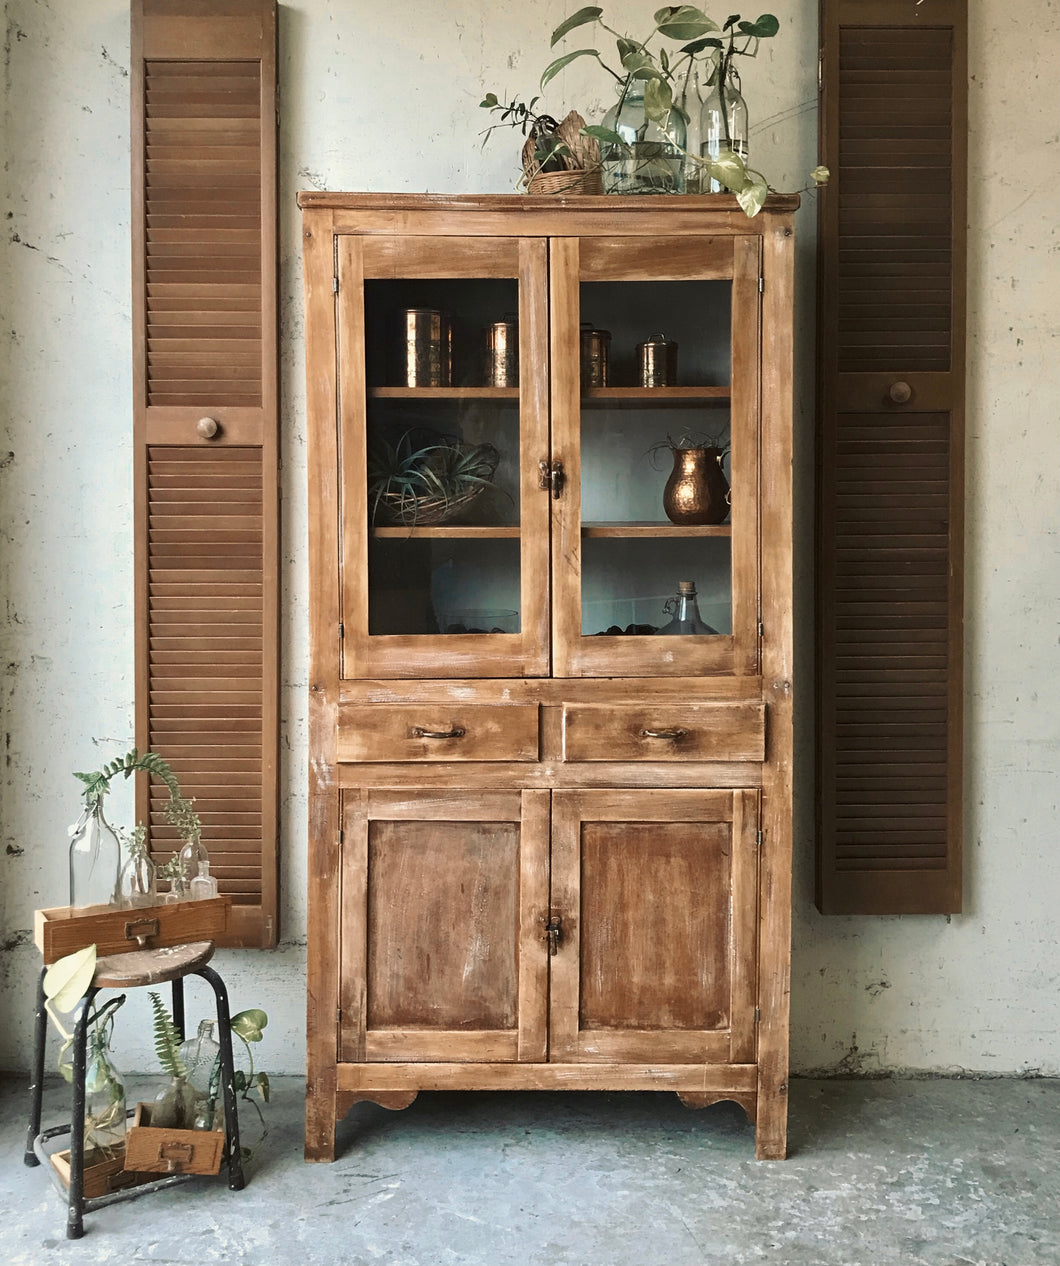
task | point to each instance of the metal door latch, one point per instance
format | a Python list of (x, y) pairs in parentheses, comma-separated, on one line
[(554, 934), (551, 477)]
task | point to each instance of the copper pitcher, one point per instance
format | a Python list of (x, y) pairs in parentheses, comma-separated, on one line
[(697, 490)]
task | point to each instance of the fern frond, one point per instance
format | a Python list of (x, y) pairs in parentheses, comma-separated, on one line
[(167, 1039)]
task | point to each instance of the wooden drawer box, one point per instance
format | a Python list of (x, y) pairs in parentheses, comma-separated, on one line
[(664, 731), (424, 732), (150, 1150), (64, 929)]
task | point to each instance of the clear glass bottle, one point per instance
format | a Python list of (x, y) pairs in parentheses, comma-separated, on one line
[(95, 859), (651, 160), (138, 881), (685, 612), (691, 104), (723, 125), (104, 1089), (175, 1106), (203, 885), (199, 1055)]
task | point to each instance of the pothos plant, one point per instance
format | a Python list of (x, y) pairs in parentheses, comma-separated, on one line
[(665, 75)]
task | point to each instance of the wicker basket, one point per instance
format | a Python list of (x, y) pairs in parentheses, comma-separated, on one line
[(556, 182)]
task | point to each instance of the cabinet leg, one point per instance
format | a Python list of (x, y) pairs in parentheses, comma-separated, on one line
[(771, 1131), (321, 1113)]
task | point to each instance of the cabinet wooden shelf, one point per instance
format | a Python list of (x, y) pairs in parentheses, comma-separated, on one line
[(542, 858), (629, 531), (446, 531), (657, 397)]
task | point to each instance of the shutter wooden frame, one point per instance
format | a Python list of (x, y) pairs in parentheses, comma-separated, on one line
[(890, 472), (204, 273)]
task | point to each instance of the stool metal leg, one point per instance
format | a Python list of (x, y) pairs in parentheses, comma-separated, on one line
[(76, 1204), (36, 1085), (178, 1006), (233, 1155)]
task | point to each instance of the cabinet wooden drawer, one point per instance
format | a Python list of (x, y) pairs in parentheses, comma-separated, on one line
[(664, 731), (417, 732)]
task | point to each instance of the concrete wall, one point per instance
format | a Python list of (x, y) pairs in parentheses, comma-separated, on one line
[(373, 98)]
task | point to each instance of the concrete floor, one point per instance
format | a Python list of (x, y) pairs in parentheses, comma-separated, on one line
[(881, 1173)]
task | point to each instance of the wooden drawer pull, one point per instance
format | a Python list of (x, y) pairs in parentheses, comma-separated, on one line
[(141, 931), (457, 731), (670, 735)]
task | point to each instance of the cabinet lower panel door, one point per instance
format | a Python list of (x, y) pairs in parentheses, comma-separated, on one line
[(443, 915), (657, 895)]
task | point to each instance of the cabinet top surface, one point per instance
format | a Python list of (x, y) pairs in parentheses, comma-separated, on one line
[(530, 203)]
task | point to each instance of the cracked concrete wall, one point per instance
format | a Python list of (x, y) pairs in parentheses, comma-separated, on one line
[(372, 99)]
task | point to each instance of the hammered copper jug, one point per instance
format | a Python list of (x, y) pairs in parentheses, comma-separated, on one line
[(697, 490)]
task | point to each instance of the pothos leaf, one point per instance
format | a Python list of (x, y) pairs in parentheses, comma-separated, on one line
[(553, 68), (753, 196), (683, 22), (589, 14), (697, 46), (249, 1024), (658, 100), (68, 978)]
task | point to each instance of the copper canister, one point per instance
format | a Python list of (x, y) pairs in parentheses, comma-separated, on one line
[(428, 348), (657, 362), (502, 354), (596, 347)]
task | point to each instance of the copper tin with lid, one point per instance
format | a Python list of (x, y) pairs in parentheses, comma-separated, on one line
[(428, 348), (595, 350), (502, 353), (657, 362)]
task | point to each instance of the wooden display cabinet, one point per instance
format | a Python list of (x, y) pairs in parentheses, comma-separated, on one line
[(550, 846)]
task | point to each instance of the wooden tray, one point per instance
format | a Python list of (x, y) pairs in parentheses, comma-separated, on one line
[(64, 929), (155, 1151)]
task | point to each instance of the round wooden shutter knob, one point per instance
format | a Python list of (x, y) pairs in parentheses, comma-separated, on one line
[(209, 428), (900, 392)]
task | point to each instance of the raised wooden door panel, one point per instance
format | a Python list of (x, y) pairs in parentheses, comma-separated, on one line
[(617, 558), (890, 487), (205, 388), (466, 596), (657, 894), (443, 911)]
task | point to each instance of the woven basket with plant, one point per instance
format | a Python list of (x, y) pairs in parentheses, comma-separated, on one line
[(425, 478)]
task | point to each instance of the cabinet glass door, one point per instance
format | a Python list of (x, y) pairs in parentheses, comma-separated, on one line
[(443, 421), (655, 355)]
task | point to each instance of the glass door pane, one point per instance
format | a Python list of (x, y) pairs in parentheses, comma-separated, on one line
[(441, 406), (666, 552)]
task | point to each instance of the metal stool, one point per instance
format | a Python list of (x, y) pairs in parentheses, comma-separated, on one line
[(129, 971)]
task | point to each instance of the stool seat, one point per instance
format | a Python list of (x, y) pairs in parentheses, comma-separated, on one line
[(150, 967)]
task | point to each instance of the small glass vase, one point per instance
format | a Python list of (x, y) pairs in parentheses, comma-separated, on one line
[(723, 125), (684, 610), (95, 858), (651, 158), (199, 1055), (138, 881), (104, 1094)]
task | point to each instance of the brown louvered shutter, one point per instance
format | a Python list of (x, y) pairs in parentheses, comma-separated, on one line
[(890, 482), (205, 409)]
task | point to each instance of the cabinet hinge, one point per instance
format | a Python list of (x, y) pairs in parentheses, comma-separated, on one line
[(759, 838), (758, 1015), (342, 834), (342, 629), (338, 1017), (761, 629), (334, 285), (761, 285)]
